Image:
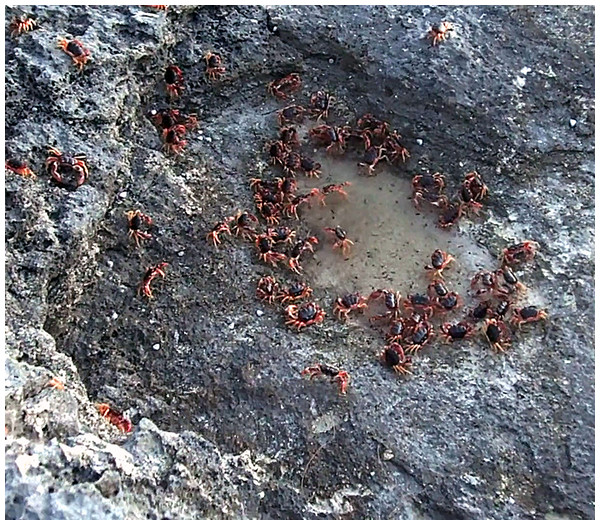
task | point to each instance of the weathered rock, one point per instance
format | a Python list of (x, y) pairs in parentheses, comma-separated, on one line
[(224, 425)]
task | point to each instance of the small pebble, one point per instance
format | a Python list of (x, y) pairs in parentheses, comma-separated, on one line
[(331, 61), (109, 264), (572, 122), (181, 253), (115, 315), (123, 194), (156, 346), (260, 313), (420, 142), (387, 455)]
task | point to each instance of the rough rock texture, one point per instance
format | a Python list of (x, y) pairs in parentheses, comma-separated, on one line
[(224, 426)]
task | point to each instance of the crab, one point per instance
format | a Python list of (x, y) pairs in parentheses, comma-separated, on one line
[(484, 283), (393, 356), (174, 81), (159, 7), (428, 188), (302, 316), (333, 138), (511, 281), (449, 302), (214, 66), (21, 24), (519, 253), (173, 141), (242, 226), (451, 213), (221, 228), (168, 118), (468, 202), (456, 332), (281, 234), (337, 376), (439, 261), (331, 188), (349, 303), (396, 332), (372, 131), (481, 311), (497, 334), (371, 158), (421, 335), (298, 249), (394, 150), (310, 167), (55, 383), (501, 309), (114, 417), (285, 86), (60, 165), (342, 242), (277, 151), (291, 115), (320, 103), (295, 292), (289, 136), (437, 288), (19, 167), (291, 208), (292, 163), (135, 220), (439, 32), (76, 50), (152, 273), (265, 247), (474, 183), (267, 289), (419, 303), (393, 303), (528, 314)]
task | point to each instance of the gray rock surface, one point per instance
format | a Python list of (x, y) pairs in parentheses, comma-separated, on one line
[(224, 426)]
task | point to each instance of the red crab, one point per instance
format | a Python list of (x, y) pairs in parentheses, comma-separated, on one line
[(333, 138), (342, 242), (285, 86), (349, 303), (529, 314), (292, 163), (474, 183), (519, 253), (481, 311), (21, 24), (305, 315), (371, 158), (221, 228), (419, 303), (394, 150), (393, 303), (373, 131), (437, 288), (173, 141), (501, 309), (281, 234), (152, 273), (449, 302), (439, 261), (295, 292), (497, 334), (331, 188), (298, 249), (136, 219), (394, 357), (440, 32), (19, 167), (214, 66), (310, 167), (159, 7), (429, 188), (485, 283), (320, 103), (456, 332), (168, 118), (242, 226), (174, 81), (266, 253), (114, 417), (278, 151), (421, 335), (396, 332), (450, 215), (511, 282), (76, 50), (291, 115), (336, 375), (267, 289), (289, 136), (60, 165), (291, 208)]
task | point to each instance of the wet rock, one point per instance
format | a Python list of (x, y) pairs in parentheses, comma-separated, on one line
[(225, 427)]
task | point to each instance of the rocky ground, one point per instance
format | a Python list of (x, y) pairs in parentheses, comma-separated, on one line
[(224, 425)]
